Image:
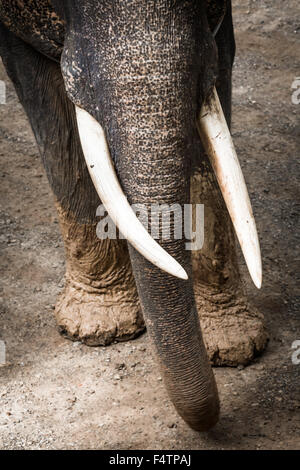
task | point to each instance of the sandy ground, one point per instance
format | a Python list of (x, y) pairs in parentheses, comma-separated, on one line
[(57, 394)]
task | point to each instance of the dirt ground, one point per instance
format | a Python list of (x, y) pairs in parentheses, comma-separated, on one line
[(57, 394)]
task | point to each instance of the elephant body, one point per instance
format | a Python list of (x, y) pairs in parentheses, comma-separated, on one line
[(142, 69)]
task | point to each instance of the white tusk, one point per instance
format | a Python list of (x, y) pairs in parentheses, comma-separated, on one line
[(100, 165), (218, 144)]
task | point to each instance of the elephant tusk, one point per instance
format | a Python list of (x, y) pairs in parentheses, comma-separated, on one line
[(218, 144), (101, 168)]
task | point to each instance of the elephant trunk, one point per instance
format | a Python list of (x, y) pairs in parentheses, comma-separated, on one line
[(155, 125), (153, 174), (173, 326), (150, 151), (169, 308)]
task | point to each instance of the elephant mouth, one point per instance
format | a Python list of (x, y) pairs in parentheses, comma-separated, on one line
[(217, 141)]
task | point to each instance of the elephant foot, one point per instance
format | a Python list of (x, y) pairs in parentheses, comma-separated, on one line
[(233, 331), (96, 318)]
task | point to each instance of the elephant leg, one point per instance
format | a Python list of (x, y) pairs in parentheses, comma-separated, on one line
[(234, 332), (99, 303)]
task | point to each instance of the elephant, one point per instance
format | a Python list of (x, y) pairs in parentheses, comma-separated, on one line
[(124, 97)]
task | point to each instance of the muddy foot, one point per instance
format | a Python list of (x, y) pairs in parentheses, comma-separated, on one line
[(234, 332), (97, 319)]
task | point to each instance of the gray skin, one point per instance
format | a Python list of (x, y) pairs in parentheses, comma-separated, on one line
[(142, 68)]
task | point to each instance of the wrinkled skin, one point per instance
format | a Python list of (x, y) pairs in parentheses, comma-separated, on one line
[(142, 68)]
